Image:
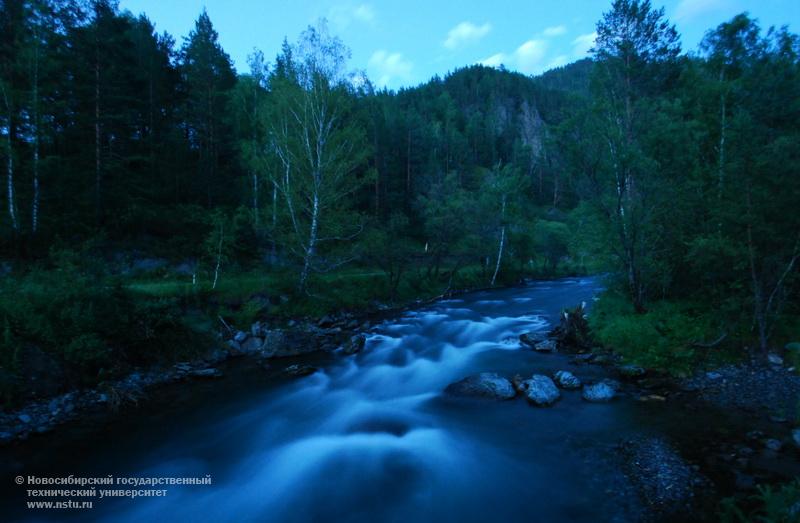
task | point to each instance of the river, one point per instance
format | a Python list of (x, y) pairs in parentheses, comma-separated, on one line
[(369, 438)]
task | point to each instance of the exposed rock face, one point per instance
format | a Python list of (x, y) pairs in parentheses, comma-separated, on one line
[(599, 392), (484, 385), (566, 380), (540, 390)]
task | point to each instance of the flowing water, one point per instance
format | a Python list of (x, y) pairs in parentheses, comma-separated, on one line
[(370, 438)]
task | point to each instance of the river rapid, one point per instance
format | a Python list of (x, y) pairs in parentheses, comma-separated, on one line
[(371, 437)]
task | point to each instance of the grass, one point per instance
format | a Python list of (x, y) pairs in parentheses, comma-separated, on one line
[(243, 297), (665, 338)]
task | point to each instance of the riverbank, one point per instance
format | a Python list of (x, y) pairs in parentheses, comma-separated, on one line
[(675, 450), (264, 342)]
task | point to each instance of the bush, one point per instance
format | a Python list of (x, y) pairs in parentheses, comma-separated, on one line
[(662, 338), (89, 325), (770, 505)]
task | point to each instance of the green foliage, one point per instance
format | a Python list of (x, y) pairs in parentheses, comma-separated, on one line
[(552, 242), (771, 505), (87, 354), (661, 338), (90, 325)]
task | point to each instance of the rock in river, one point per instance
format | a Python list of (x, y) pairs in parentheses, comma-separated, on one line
[(484, 385), (598, 392), (531, 338), (566, 380), (298, 370), (355, 344), (545, 346), (540, 390)]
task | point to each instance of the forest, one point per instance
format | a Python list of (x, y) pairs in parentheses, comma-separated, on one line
[(158, 177)]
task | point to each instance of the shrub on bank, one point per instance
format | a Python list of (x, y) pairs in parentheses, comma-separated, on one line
[(62, 327), (666, 337)]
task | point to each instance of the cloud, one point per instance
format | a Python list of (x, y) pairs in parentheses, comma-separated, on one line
[(343, 15), (496, 60), (558, 61), (556, 30), (364, 13), (689, 9), (466, 32), (389, 68), (529, 56), (582, 44)]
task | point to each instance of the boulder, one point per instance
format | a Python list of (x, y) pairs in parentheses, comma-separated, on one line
[(598, 392), (258, 329), (355, 344), (234, 346), (545, 346), (566, 380), (240, 337), (773, 445), (252, 344), (796, 437), (531, 338), (484, 385), (24, 418), (540, 390), (279, 343)]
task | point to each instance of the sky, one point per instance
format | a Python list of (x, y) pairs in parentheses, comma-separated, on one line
[(402, 44)]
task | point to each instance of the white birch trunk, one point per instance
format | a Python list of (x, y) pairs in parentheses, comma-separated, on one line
[(10, 178), (312, 241), (502, 243), (10, 166), (35, 203), (219, 256)]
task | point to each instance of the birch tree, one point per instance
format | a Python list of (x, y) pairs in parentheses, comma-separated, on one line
[(502, 190), (635, 48), (316, 148)]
